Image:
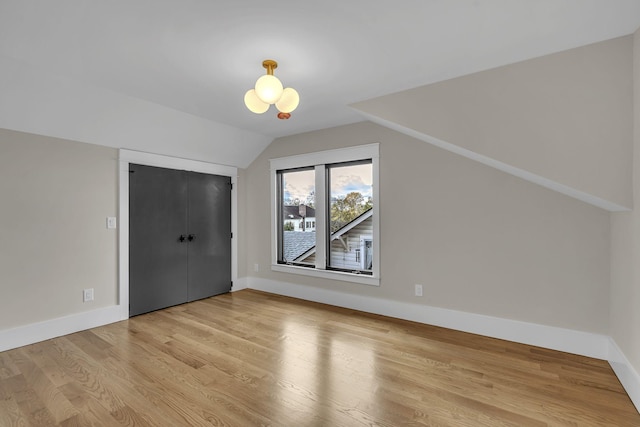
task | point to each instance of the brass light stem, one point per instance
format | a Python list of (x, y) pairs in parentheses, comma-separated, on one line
[(270, 65)]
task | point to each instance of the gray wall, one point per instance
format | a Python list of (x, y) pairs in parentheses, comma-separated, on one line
[(479, 240), (55, 196)]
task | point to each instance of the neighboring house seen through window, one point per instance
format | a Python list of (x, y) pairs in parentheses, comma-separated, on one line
[(325, 214)]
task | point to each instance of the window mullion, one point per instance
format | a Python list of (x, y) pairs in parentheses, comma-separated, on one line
[(376, 215), (321, 217), (275, 216)]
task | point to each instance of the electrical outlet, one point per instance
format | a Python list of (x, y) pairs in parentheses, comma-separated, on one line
[(256, 267), (111, 222), (418, 290), (87, 295)]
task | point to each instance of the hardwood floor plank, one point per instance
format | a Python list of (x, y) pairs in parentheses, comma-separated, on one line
[(10, 413), (257, 359), (164, 381), (7, 367), (32, 409), (40, 354), (54, 401)]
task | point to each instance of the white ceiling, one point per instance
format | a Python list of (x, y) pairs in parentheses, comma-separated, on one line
[(200, 56)]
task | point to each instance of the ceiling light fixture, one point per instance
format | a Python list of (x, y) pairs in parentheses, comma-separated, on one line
[(268, 90)]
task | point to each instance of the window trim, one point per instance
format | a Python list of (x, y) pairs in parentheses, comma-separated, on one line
[(319, 160)]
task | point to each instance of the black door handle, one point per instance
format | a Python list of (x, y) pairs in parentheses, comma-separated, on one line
[(181, 238), (191, 237)]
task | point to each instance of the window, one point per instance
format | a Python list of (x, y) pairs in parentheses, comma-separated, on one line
[(350, 200), (295, 198), (332, 195)]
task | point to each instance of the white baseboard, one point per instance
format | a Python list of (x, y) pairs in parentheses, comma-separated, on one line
[(567, 340), (239, 284), (36, 332), (627, 375)]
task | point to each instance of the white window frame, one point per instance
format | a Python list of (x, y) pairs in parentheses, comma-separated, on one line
[(319, 160)]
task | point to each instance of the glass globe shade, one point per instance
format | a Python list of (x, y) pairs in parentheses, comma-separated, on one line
[(253, 103), (288, 101), (269, 88)]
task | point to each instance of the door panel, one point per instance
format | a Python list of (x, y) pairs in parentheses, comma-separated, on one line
[(157, 217), (210, 223)]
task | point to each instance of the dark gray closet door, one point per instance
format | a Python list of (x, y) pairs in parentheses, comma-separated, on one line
[(209, 234), (157, 256)]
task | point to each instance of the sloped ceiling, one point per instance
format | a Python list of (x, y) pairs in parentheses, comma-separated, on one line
[(563, 121), (168, 76)]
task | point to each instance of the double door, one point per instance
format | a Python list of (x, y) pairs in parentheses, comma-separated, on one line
[(179, 237)]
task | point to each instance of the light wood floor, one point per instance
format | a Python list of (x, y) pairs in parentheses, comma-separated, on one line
[(255, 359)]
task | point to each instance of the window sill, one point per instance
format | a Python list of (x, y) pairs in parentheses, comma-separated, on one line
[(327, 274)]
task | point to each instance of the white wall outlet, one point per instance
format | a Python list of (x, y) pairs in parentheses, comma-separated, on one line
[(418, 290), (111, 222), (87, 295), (256, 267)]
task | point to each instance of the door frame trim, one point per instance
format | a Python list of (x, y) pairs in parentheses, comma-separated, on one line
[(125, 157)]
